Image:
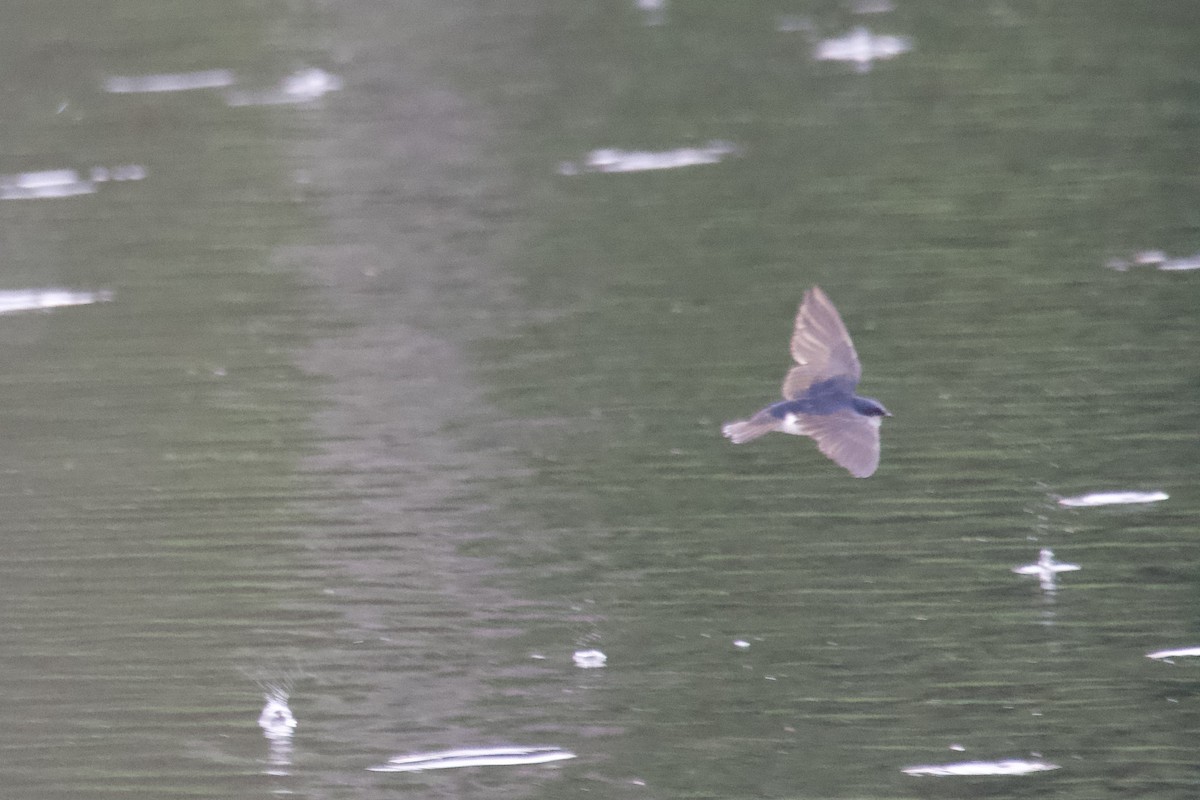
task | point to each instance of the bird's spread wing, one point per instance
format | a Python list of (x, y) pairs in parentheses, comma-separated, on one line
[(821, 346), (850, 439)]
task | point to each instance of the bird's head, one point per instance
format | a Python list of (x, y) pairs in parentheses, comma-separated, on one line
[(870, 407)]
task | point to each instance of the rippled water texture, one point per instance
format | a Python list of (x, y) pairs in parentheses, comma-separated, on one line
[(396, 437)]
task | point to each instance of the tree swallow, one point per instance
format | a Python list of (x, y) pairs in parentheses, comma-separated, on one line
[(819, 399)]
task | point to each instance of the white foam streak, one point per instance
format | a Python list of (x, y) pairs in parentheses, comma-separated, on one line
[(963, 768), (41, 299), (169, 82), (1179, 652), (611, 159), (1111, 499), (474, 757), (861, 47)]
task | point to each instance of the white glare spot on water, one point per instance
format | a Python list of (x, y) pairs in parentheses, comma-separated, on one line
[(63, 182), (795, 23), (1180, 652), (128, 172), (42, 299), (276, 719), (1046, 569), (124, 172), (741, 644), (46, 183), (1006, 767), (169, 82), (872, 6), (310, 83), (473, 757), (1155, 258), (1111, 498), (611, 159), (302, 86), (654, 12), (1181, 264), (861, 47), (589, 659), (278, 724)]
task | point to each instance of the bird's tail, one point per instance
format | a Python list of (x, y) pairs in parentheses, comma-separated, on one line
[(745, 430)]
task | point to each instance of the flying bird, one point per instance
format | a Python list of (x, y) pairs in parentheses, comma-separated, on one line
[(819, 399)]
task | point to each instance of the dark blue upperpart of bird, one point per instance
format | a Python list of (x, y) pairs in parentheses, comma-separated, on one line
[(819, 392)]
